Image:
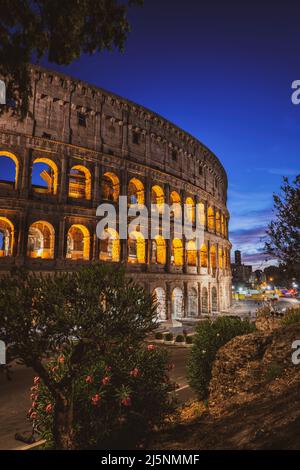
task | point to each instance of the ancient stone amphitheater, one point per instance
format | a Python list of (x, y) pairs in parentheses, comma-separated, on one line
[(80, 146)]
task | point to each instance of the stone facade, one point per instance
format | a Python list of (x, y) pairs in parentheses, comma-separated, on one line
[(95, 146)]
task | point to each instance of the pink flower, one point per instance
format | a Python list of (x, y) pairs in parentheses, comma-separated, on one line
[(54, 369), (106, 380), (135, 372), (126, 401), (33, 415), (33, 404), (95, 399), (34, 389), (151, 347), (89, 379), (33, 397), (49, 408), (36, 380), (61, 360)]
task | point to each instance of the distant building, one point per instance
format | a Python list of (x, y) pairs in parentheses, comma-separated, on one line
[(241, 273)]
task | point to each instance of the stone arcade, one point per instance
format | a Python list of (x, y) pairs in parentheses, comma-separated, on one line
[(80, 146)]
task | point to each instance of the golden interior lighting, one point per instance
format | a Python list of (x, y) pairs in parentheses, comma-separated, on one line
[(158, 197), (6, 237), (211, 219), (78, 243), (12, 157), (203, 256), (49, 175), (220, 258), (213, 257), (110, 187), (110, 247), (175, 200), (41, 239), (80, 183), (177, 252), (191, 253), (223, 225), (191, 209), (136, 248), (136, 192), (218, 223), (201, 214), (159, 254)]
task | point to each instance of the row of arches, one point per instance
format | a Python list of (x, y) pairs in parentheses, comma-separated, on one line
[(194, 306), (44, 180), (41, 244)]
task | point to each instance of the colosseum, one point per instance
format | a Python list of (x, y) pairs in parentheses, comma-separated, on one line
[(79, 146)]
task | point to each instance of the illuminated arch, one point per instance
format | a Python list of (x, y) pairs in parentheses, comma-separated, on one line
[(41, 240), (136, 191), (158, 197), (218, 223), (175, 201), (159, 295), (177, 252), (214, 300), (221, 263), (78, 243), (136, 248), (50, 178), (177, 303), (190, 209), (80, 183), (211, 219), (191, 253), (7, 232), (203, 256), (204, 300), (201, 214), (159, 252), (110, 187), (110, 247), (213, 257), (223, 225), (192, 310), (12, 157)]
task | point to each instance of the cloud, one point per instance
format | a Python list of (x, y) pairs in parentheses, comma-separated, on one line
[(279, 171)]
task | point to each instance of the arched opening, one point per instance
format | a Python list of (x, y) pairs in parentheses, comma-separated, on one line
[(223, 225), (110, 187), (159, 254), (78, 243), (191, 253), (203, 256), (175, 201), (44, 176), (192, 303), (201, 214), (214, 300), (218, 223), (136, 192), (136, 248), (158, 197), (6, 237), (110, 246), (204, 300), (190, 210), (80, 183), (211, 219), (9, 170), (213, 257), (221, 264), (177, 303), (159, 295), (177, 252), (41, 240)]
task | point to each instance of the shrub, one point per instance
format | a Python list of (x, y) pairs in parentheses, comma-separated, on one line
[(159, 336), (189, 340), (210, 336), (169, 337), (179, 339), (292, 316)]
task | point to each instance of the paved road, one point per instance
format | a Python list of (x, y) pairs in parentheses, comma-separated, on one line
[(15, 401)]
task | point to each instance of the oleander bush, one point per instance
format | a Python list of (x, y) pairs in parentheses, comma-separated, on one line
[(179, 339), (210, 336), (189, 339), (159, 336), (169, 337)]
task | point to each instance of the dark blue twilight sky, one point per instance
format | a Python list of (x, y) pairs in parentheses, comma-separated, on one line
[(222, 70)]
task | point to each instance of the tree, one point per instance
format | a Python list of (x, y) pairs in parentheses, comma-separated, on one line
[(60, 31), (72, 315), (284, 231)]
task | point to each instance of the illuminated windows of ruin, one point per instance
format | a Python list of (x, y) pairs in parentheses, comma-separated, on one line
[(177, 252), (41, 238), (159, 295), (191, 251), (213, 257), (136, 248), (78, 243), (136, 192), (159, 254), (9, 178), (221, 264), (203, 256), (201, 214), (6, 237), (175, 201), (191, 210), (45, 171), (158, 197), (211, 219), (110, 187), (218, 223), (80, 186), (110, 247)]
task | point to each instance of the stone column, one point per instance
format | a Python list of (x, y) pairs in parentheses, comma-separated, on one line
[(97, 183), (26, 173), (168, 301), (62, 241), (199, 299), (185, 298), (63, 189)]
